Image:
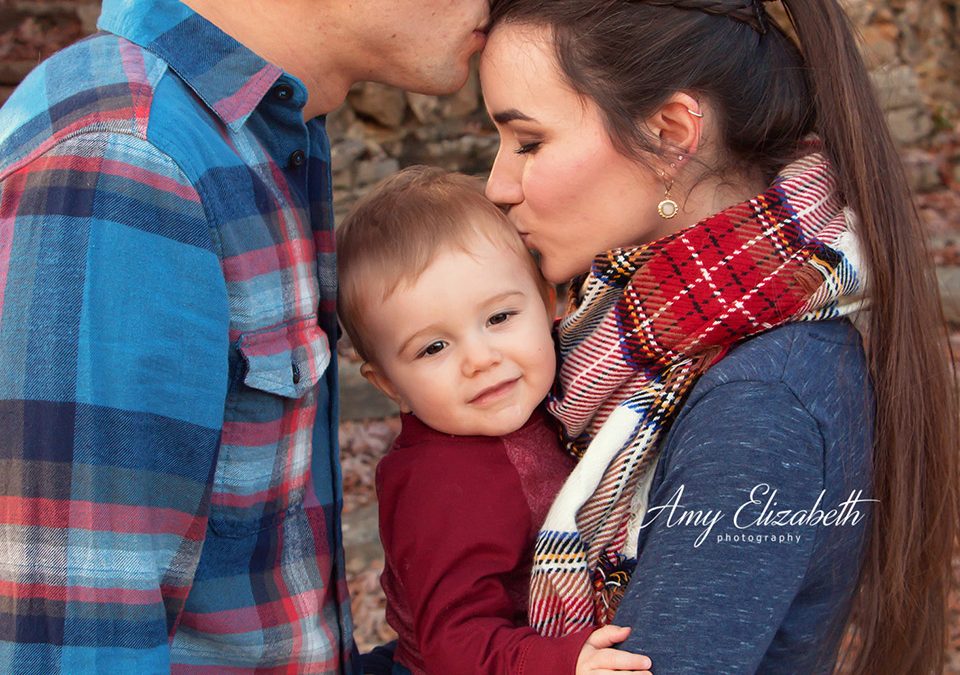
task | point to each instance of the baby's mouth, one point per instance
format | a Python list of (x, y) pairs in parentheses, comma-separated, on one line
[(494, 392)]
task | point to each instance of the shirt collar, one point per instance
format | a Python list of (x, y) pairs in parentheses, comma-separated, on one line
[(228, 77)]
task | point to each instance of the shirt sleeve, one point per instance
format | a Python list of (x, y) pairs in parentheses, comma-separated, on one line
[(715, 576), (456, 528), (113, 373)]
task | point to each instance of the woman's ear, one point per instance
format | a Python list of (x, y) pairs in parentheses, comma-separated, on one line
[(678, 124), (378, 379)]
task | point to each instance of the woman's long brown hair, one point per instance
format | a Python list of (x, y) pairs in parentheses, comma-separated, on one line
[(770, 92)]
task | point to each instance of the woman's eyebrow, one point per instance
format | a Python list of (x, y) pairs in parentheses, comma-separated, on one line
[(511, 115)]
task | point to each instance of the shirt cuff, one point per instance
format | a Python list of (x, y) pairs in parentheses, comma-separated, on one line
[(554, 655)]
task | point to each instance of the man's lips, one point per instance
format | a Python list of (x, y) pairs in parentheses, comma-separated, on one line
[(491, 394)]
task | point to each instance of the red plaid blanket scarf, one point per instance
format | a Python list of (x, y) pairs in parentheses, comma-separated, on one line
[(646, 323)]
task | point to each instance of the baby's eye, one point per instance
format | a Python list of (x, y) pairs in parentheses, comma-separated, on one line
[(500, 317), (433, 348)]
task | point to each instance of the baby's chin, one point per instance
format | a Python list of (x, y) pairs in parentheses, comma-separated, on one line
[(495, 423)]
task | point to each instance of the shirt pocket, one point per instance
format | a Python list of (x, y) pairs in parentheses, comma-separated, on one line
[(263, 469)]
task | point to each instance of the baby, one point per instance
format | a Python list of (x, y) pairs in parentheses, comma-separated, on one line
[(452, 319)]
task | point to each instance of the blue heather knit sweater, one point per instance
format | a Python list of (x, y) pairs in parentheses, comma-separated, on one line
[(751, 547)]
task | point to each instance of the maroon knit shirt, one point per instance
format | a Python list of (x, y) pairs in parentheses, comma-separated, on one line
[(458, 517)]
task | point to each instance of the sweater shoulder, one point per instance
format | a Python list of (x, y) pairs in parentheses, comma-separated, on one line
[(814, 360), (816, 371), (427, 460)]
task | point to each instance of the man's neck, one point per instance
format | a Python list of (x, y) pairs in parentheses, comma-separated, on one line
[(276, 33)]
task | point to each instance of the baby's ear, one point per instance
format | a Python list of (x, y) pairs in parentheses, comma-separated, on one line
[(378, 379)]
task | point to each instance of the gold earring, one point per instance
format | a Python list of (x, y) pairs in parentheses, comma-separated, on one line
[(667, 208)]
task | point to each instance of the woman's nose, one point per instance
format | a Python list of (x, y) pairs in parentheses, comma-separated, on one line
[(503, 185)]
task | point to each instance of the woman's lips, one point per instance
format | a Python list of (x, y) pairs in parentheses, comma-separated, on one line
[(491, 394)]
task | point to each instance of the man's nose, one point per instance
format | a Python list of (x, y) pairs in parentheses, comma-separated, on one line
[(503, 185)]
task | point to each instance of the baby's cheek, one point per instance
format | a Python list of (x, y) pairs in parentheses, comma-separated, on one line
[(545, 369)]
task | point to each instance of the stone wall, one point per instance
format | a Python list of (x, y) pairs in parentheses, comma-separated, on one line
[(381, 129)]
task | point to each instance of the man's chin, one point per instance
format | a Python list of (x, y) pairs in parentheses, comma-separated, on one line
[(442, 84)]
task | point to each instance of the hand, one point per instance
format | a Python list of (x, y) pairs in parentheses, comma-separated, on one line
[(597, 657)]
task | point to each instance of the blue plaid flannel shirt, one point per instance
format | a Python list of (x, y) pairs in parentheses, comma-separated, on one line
[(169, 481)]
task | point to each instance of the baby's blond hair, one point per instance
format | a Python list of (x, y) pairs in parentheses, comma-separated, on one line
[(395, 231)]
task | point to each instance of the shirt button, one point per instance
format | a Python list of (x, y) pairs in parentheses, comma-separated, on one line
[(297, 158), (296, 373), (283, 92)]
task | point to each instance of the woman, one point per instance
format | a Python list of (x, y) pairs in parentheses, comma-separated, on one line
[(753, 362)]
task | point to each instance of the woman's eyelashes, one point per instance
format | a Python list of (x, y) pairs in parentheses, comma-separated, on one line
[(528, 148)]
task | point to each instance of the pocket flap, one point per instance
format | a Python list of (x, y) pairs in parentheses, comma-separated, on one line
[(288, 360)]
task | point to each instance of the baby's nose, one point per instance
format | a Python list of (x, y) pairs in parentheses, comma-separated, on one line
[(479, 356)]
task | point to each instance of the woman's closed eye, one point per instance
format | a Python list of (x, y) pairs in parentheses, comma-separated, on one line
[(528, 148)]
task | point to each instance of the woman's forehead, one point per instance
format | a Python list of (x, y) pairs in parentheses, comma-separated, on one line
[(519, 65)]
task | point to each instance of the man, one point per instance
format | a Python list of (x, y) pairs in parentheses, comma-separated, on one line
[(169, 481)]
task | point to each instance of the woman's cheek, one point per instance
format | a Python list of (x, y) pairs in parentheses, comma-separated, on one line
[(546, 177)]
